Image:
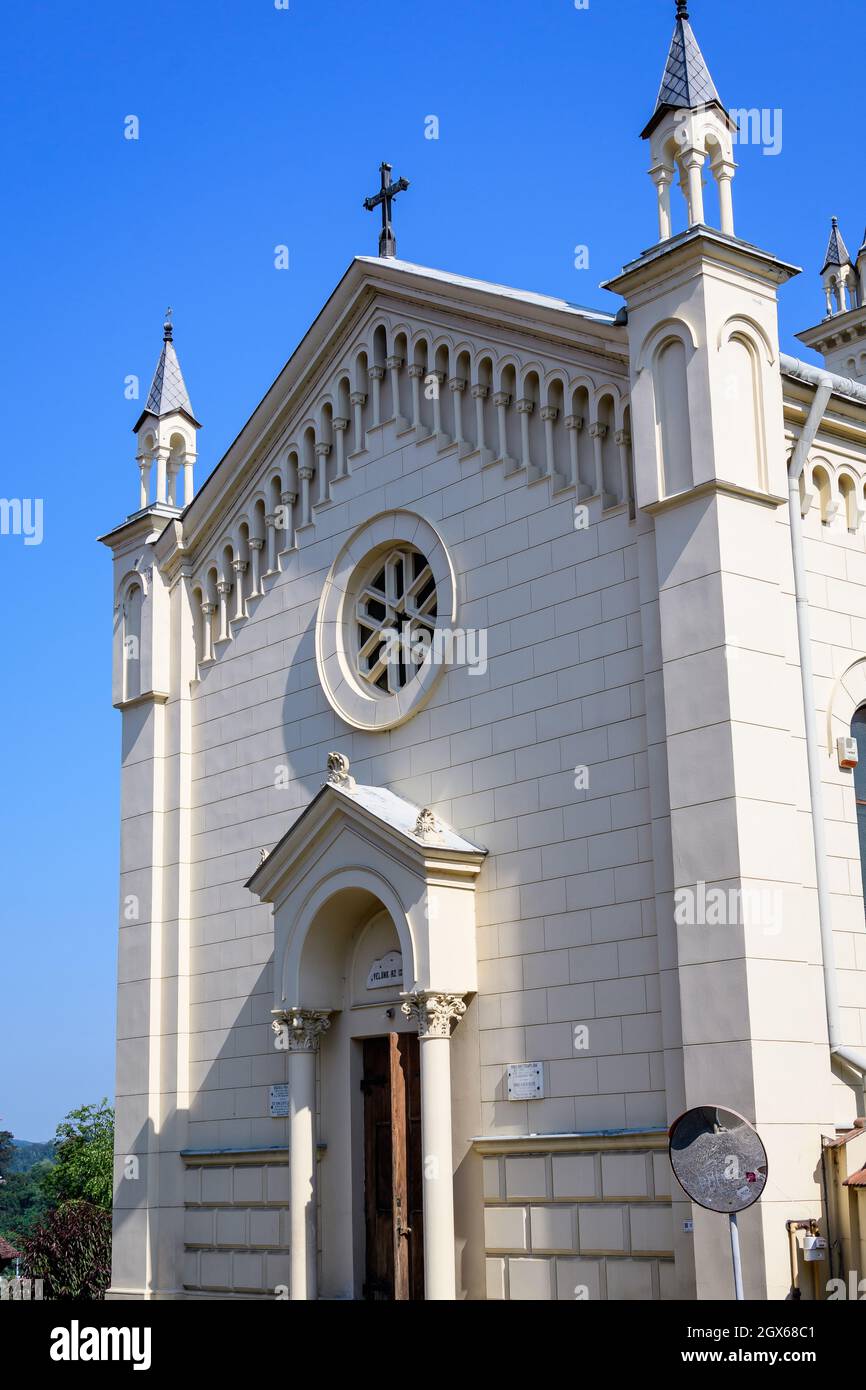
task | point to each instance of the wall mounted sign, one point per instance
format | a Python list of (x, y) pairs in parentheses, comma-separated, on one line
[(526, 1081), (386, 972), (279, 1096)]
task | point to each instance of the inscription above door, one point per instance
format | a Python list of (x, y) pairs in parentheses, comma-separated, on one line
[(386, 972)]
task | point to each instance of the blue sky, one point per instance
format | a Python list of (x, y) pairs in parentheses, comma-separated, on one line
[(261, 127)]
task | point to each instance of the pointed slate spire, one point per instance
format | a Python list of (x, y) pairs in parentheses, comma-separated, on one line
[(686, 82), (168, 391), (837, 251)]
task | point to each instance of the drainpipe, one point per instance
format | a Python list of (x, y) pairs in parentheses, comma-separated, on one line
[(825, 383)]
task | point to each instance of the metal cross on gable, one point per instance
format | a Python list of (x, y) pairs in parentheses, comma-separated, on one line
[(385, 196)]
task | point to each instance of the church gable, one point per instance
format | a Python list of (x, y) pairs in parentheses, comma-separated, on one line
[(404, 359)]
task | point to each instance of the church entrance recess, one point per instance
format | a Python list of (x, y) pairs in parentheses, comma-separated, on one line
[(393, 1205)]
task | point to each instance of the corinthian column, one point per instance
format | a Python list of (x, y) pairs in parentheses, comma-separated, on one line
[(298, 1032), (436, 1015)]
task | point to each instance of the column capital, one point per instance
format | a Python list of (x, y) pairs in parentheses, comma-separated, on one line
[(256, 542), (574, 422), (480, 391), (623, 437), (549, 412), (724, 168), (598, 430), (322, 449), (224, 586), (662, 174), (416, 371), (299, 1030), (240, 566), (305, 473), (457, 383), (375, 373), (358, 398), (394, 363), (693, 158), (525, 406), (288, 499), (435, 1014), (340, 422), (502, 398)]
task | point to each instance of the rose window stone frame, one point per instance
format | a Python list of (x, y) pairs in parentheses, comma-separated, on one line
[(355, 614)]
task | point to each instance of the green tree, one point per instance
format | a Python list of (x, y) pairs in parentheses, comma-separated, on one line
[(84, 1156), (6, 1150), (23, 1202)]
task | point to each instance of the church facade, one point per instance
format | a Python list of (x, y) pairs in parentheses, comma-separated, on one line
[(490, 794)]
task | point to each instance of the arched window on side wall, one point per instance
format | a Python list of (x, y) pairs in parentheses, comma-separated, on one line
[(858, 731), (132, 642)]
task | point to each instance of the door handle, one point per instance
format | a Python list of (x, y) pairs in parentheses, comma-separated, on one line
[(404, 1231)]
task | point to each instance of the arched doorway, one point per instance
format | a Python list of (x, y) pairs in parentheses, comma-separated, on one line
[(368, 1110), (374, 961)]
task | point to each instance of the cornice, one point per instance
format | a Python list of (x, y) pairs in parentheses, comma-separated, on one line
[(715, 486), (150, 520), (222, 1158), (616, 1141), (836, 331), (844, 418), (698, 245)]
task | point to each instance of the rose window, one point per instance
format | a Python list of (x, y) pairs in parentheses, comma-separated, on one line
[(396, 617)]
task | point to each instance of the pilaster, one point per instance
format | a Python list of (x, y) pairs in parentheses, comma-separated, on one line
[(710, 469)]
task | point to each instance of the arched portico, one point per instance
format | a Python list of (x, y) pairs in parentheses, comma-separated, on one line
[(362, 878)]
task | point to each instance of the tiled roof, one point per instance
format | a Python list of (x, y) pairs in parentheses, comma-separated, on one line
[(857, 1179), (837, 251), (686, 80), (168, 390)]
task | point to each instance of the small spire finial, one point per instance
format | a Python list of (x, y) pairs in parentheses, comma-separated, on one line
[(167, 327), (682, 9)]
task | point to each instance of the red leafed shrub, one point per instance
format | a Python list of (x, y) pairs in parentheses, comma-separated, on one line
[(71, 1251)]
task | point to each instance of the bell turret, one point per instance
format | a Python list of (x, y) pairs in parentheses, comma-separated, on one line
[(166, 431)]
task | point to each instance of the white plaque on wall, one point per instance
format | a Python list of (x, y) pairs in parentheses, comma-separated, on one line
[(386, 972), (279, 1101), (526, 1081)]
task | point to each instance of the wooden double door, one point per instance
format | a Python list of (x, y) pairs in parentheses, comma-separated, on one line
[(393, 1168)]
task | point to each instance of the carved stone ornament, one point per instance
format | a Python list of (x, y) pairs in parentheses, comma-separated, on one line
[(338, 772), (303, 1027), (426, 825), (435, 1014)]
